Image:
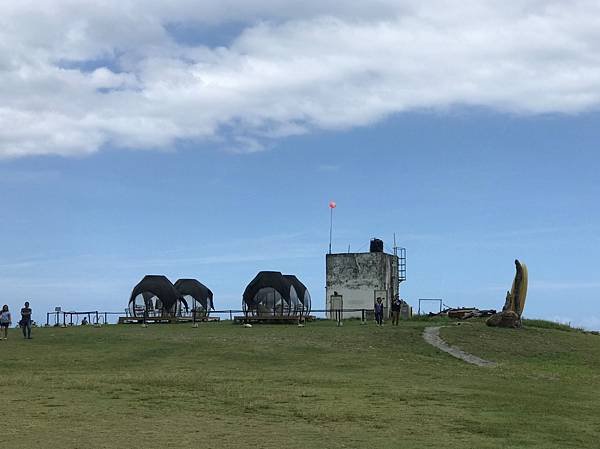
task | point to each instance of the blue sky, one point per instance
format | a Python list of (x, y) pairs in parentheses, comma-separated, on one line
[(465, 192), (206, 139)]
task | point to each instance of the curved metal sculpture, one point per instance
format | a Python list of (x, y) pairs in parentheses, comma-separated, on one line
[(515, 300), (201, 294), (271, 293), (155, 286), (302, 291)]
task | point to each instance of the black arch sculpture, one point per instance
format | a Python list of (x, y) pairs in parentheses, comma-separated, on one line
[(301, 290), (157, 285), (270, 293), (197, 290)]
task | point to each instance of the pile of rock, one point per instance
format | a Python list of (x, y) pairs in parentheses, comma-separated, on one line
[(506, 318)]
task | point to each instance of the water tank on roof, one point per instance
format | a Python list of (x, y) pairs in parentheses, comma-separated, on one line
[(376, 246)]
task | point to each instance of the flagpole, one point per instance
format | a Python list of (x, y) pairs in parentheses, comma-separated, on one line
[(330, 227), (332, 206)]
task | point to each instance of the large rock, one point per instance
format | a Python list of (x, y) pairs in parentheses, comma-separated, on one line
[(506, 318)]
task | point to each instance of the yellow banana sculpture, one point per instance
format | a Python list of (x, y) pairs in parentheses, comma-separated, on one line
[(515, 299)]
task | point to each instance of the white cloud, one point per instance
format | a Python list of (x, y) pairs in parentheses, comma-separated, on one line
[(590, 322), (77, 76)]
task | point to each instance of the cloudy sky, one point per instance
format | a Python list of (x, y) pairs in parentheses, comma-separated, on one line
[(206, 138)]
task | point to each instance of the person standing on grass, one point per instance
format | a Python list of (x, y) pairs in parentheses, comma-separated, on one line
[(5, 321), (26, 320), (396, 305), (379, 312)]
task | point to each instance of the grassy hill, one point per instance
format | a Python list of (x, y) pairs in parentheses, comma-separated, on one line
[(225, 386)]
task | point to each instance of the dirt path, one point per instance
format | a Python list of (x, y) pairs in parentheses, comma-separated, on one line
[(432, 336)]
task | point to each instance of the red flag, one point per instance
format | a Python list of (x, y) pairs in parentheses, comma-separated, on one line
[(332, 205)]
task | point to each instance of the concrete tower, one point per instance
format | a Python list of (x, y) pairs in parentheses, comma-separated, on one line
[(356, 280)]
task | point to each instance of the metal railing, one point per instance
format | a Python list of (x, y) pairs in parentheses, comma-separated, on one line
[(93, 317), (440, 301), (73, 318)]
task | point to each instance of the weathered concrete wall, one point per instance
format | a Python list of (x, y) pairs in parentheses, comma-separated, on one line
[(358, 276)]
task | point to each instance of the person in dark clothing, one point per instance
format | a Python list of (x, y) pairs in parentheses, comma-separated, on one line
[(379, 312), (26, 320), (396, 305)]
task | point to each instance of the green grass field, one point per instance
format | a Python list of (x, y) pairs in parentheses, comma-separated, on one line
[(225, 386)]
